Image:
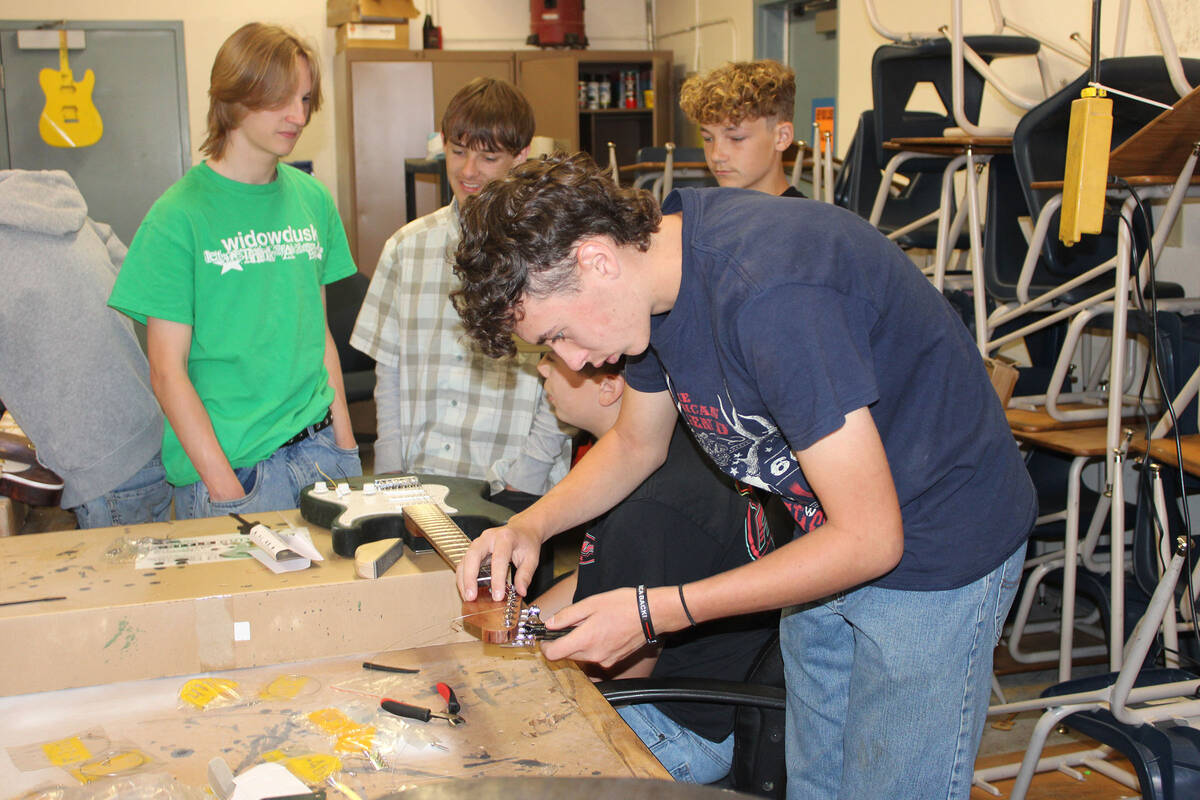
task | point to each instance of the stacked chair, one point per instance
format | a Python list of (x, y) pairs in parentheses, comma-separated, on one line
[(1085, 316)]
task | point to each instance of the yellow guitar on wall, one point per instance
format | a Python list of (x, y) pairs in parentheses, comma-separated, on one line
[(70, 118)]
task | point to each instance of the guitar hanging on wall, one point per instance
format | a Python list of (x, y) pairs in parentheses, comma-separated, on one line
[(69, 118)]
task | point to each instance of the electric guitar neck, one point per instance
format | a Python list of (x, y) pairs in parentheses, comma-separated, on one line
[(361, 511), (495, 622)]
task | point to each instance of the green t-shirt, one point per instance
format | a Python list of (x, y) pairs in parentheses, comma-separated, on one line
[(243, 264)]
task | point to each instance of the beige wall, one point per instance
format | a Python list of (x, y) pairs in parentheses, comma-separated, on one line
[(726, 33), (466, 25)]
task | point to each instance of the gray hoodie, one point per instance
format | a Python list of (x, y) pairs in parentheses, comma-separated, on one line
[(71, 369)]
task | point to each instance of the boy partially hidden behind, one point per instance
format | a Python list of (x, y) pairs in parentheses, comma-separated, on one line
[(744, 111), (443, 407)]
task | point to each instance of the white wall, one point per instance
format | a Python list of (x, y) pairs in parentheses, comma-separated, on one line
[(466, 25), (725, 32)]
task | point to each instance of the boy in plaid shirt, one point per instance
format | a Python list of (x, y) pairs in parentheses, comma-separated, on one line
[(443, 407)]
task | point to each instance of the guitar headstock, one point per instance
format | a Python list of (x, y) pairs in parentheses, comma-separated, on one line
[(530, 628), (493, 621)]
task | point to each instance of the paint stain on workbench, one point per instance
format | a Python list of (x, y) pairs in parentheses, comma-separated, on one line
[(126, 632), (182, 752)]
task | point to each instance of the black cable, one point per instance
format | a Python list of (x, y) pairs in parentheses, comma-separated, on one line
[(1095, 41)]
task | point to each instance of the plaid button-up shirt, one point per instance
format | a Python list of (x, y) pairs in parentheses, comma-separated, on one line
[(443, 407)]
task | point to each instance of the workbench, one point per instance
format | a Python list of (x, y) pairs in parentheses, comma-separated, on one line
[(524, 716), (118, 623)]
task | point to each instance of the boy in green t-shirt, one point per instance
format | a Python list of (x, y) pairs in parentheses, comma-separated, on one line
[(228, 272), (744, 111)]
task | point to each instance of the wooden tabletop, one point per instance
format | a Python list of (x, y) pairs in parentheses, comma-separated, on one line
[(951, 145), (524, 717), (1134, 180), (1164, 450), (1163, 145), (1087, 442), (1035, 420)]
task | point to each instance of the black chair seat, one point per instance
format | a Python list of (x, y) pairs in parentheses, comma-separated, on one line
[(759, 761), (862, 170), (1166, 756), (897, 69), (343, 299)]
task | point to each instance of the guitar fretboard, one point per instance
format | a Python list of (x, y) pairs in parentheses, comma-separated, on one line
[(446, 537)]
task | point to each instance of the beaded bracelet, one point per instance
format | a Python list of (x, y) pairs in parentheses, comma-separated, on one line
[(644, 612)]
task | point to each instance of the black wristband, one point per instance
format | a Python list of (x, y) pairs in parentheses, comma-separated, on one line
[(644, 612), (683, 603)]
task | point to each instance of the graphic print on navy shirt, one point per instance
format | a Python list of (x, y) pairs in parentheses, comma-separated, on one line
[(750, 449), (756, 535)]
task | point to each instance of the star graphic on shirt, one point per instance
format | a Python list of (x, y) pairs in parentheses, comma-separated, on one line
[(231, 265)]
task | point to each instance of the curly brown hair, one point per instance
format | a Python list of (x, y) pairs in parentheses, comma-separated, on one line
[(519, 236), (739, 91)]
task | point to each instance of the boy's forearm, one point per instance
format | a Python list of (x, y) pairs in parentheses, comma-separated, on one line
[(389, 450), (610, 470), (343, 432), (168, 347), (190, 421)]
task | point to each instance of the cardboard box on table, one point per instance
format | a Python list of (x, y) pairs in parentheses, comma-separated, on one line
[(119, 623)]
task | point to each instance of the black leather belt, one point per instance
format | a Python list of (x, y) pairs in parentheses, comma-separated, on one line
[(310, 430)]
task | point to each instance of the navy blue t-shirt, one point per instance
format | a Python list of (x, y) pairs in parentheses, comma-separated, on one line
[(791, 314)]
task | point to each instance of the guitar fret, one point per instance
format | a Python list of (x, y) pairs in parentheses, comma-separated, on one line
[(447, 538)]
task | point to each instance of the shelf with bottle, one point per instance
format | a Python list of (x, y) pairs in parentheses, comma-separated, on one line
[(615, 87)]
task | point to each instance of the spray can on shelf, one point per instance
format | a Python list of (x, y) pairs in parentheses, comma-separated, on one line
[(630, 88)]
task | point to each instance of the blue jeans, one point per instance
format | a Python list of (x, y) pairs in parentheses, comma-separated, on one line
[(688, 756), (888, 690), (145, 497), (274, 484)]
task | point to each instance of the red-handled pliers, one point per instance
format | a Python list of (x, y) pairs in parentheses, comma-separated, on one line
[(417, 712), (452, 704)]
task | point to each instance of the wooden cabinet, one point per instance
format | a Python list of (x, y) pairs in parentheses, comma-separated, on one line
[(551, 81), (388, 102)]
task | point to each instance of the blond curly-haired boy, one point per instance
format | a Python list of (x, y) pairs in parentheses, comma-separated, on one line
[(744, 111)]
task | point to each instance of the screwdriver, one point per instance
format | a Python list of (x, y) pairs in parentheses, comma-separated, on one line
[(417, 712)]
